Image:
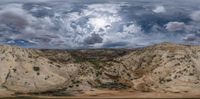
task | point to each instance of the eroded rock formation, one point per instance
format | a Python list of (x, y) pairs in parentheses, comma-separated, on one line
[(164, 68)]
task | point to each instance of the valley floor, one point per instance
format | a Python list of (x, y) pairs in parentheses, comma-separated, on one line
[(103, 93)]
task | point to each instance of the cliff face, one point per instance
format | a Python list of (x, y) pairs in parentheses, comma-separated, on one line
[(162, 67)]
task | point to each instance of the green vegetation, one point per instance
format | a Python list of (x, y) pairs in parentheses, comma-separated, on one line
[(97, 64), (36, 68)]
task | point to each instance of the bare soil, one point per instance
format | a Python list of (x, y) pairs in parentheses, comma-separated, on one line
[(103, 93)]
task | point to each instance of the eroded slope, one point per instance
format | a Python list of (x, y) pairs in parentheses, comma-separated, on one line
[(160, 68)]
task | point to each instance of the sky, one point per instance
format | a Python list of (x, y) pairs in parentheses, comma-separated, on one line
[(76, 24)]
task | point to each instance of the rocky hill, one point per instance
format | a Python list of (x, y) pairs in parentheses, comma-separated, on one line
[(25, 71), (159, 68), (163, 67)]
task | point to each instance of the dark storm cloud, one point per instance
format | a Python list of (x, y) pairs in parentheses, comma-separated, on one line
[(115, 45), (93, 39), (39, 9), (13, 20), (12, 16)]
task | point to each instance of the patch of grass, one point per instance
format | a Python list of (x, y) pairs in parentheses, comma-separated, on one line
[(97, 64), (78, 59)]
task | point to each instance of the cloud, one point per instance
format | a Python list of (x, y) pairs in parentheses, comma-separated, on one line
[(132, 29), (195, 16), (23, 27), (86, 26), (159, 9), (95, 24), (93, 39), (190, 37), (115, 44), (108, 8), (175, 26), (22, 1), (75, 29), (129, 32), (14, 17), (130, 35), (102, 16)]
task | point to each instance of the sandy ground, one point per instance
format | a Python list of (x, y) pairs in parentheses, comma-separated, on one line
[(117, 94)]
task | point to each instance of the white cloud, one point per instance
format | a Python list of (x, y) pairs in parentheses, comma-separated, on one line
[(159, 9), (175, 26), (130, 34), (195, 16), (103, 22), (109, 8), (102, 16), (190, 37), (132, 29)]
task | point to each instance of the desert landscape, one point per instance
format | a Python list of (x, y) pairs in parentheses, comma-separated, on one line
[(61, 49), (163, 70)]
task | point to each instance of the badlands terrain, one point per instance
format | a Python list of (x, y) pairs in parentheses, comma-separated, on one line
[(160, 71)]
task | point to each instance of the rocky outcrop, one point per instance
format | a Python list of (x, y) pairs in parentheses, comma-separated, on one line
[(163, 68), (24, 71)]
